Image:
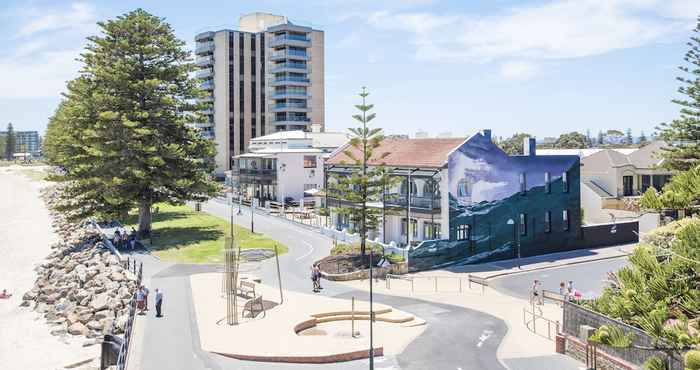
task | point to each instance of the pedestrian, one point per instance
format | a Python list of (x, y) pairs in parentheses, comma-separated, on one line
[(159, 302), (563, 292), (5, 294), (318, 276), (535, 298), (145, 297), (570, 290), (117, 238), (314, 279), (139, 300)]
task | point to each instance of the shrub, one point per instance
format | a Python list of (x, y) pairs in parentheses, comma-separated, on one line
[(395, 258), (692, 360)]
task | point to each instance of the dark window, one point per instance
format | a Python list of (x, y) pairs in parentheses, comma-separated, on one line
[(646, 182), (414, 227), (565, 219), (253, 65), (547, 221), (627, 185), (660, 181), (309, 161), (565, 181), (463, 232), (547, 183), (523, 224), (241, 135), (523, 184), (431, 230), (253, 128)]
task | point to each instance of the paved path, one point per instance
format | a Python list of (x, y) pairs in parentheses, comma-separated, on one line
[(172, 341)]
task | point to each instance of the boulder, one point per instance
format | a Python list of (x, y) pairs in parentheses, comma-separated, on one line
[(121, 322), (78, 329), (59, 330), (94, 325), (107, 325), (103, 315), (117, 276), (30, 295), (72, 318), (99, 302)]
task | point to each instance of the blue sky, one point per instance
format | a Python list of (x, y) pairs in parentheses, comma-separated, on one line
[(543, 67)]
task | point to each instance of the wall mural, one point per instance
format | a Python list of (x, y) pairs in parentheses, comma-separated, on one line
[(487, 188)]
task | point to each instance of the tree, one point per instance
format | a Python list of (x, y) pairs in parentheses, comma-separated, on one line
[(629, 140), (643, 139), (572, 140), (10, 142), (3, 139), (682, 192), (601, 138), (683, 134), (514, 144), (120, 136)]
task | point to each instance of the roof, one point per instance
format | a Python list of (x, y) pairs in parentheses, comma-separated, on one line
[(430, 152), (583, 152), (329, 139), (644, 157), (283, 135)]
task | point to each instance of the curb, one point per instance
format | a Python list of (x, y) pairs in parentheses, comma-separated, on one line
[(327, 359), (494, 276)]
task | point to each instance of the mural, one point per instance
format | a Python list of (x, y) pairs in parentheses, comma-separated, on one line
[(487, 188)]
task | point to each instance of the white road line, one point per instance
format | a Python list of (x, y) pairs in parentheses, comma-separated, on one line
[(484, 336), (311, 250)]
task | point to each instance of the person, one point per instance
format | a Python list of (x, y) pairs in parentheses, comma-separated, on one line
[(5, 294), (117, 238), (570, 290), (563, 292), (145, 297), (314, 279), (535, 292), (318, 276), (159, 302), (132, 237), (139, 300)]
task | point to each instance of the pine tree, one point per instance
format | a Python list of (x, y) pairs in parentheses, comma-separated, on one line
[(120, 136), (629, 140), (10, 142), (601, 138), (364, 183), (643, 139), (683, 133)]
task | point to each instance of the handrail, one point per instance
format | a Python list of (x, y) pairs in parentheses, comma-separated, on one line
[(536, 316), (470, 279), (123, 357)]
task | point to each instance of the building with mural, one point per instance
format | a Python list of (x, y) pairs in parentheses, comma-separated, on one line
[(465, 200)]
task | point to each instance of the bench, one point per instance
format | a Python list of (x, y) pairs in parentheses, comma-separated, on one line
[(252, 304), (247, 288)]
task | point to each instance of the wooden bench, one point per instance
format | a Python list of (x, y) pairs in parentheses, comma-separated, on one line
[(252, 305), (247, 288)]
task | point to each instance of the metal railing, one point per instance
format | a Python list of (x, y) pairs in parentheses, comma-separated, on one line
[(533, 316), (468, 280), (129, 327)]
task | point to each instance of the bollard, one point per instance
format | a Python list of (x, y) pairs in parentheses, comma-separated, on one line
[(460, 285), (436, 283), (352, 316)]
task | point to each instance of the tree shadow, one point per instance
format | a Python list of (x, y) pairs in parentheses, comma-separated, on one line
[(161, 216), (180, 237)]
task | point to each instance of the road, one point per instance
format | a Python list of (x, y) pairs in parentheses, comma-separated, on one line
[(589, 278), (455, 338)]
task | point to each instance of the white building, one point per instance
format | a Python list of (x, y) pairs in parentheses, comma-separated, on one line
[(286, 165)]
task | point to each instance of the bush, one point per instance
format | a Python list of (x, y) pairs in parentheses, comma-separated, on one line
[(692, 360), (354, 248), (395, 258)]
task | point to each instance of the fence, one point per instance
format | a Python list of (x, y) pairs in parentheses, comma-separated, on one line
[(538, 316), (458, 282), (123, 354), (576, 316)]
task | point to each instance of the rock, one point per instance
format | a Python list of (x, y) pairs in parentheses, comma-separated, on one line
[(121, 322), (99, 302), (103, 315), (91, 342), (107, 325), (41, 307), (72, 318), (24, 304), (78, 329), (130, 275), (124, 293), (61, 330), (111, 259), (30, 295), (94, 325), (117, 276)]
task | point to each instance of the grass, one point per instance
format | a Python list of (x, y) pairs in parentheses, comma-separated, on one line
[(33, 174), (182, 235)]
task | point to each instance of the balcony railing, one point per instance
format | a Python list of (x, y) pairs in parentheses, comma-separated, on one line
[(287, 65), (292, 119), (255, 171), (204, 73), (205, 61), (289, 53), (208, 85), (291, 79), (416, 201), (204, 47), (290, 94), (290, 105), (291, 38)]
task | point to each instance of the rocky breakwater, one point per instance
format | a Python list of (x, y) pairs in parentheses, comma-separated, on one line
[(82, 289)]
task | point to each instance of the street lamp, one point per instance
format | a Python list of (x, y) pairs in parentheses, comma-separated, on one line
[(516, 237)]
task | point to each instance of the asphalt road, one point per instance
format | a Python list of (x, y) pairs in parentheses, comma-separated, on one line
[(589, 278), (455, 338)]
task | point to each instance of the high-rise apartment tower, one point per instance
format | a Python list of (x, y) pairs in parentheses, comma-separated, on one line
[(265, 77)]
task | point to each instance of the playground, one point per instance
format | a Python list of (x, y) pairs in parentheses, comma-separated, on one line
[(285, 326)]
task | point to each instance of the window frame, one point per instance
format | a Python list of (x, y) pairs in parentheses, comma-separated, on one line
[(547, 183), (308, 159), (565, 181), (463, 232), (566, 220), (522, 224), (548, 221)]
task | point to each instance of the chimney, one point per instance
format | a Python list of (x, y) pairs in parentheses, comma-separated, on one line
[(529, 146), (486, 133)]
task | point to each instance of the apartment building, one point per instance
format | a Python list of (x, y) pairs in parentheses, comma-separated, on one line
[(26, 142), (264, 77)]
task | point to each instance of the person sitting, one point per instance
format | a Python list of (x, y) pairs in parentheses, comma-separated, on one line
[(117, 238), (4, 294)]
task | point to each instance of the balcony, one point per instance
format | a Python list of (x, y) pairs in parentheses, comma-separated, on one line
[(290, 67), (399, 200), (206, 99), (208, 35), (289, 54), (204, 73), (288, 80), (290, 94), (291, 40), (208, 85), (204, 48), (202, 125), (290, 107), (208, 111), (292, 120), (207, 61)]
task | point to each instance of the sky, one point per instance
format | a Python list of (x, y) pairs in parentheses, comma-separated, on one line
[(543, 67)]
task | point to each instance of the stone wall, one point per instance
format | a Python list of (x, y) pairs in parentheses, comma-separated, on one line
[(577, 349)]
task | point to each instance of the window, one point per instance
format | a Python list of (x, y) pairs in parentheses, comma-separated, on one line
[(309, 186), (547, 181), (414, 227), (646, 182), (404, 187), (523, 185), (547, 221), (565, 181), (463, 232), (464, 188), (309, 161), (565, 217), (431, 230), (523, 224)]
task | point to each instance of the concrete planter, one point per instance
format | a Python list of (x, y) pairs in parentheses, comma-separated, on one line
[(377, 272)]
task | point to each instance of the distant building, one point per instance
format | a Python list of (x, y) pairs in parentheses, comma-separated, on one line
[(420, 134), (614, 137), (26, 142), (444, 135), (397, 136), (264, 77), (284, 165)]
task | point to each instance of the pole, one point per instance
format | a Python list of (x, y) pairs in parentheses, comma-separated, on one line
[(279, 274), (352, 318), (518, 242)]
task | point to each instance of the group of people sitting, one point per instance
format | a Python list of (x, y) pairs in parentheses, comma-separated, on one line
[(125, 239), (4, 294)]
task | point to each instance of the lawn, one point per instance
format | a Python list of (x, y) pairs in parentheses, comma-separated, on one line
[(182, 235)]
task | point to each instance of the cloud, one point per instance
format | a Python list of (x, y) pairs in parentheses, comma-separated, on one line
[(44, 76), (518, 70), (554, 30), (79, 14)]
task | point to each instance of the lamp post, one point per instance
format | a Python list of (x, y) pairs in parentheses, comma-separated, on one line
[(516, 237)]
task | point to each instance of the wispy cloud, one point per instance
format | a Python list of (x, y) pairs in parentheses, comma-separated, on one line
[(44, 76), (77, 15), (553, 30), (518, 70)]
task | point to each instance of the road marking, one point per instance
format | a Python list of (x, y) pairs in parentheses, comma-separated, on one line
[(484, 335), (311, 250)]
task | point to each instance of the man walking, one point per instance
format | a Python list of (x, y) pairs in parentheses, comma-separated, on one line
[(159, 302)]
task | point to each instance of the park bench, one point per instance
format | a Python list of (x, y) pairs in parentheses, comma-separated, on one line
[(247, 288), (253, 305)]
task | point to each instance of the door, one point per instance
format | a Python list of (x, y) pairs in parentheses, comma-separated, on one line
[(646, 182), (627, 185)]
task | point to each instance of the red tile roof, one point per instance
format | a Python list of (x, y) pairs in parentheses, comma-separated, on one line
[(403, 152)]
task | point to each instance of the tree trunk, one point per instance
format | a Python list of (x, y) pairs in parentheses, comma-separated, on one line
[(144, 219)]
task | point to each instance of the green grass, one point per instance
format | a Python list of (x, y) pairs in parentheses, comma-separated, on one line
[(182, 235), (34, 174)]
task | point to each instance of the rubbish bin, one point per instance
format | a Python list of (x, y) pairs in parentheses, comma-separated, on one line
[(198, 206), (111, 344)]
